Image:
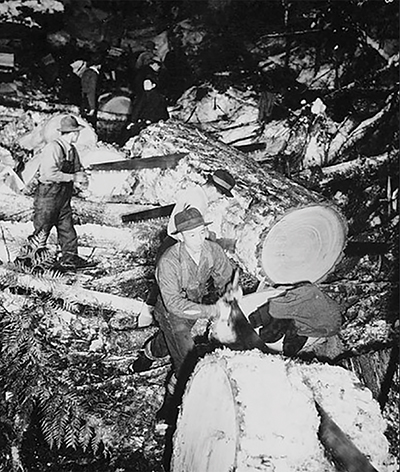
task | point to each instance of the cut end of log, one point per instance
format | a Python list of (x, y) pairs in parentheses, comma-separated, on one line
[(209, 444), (248, 411), (305, 244)]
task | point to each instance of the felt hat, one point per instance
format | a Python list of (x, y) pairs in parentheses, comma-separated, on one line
[(189, 219), (68, 124), (223, 180)]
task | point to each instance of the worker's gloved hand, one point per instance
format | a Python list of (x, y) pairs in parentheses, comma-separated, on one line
[(221, 325), (81, 180), (233, 293)]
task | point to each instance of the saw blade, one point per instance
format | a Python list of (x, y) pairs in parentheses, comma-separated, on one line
[(146, 215), (160, 162)]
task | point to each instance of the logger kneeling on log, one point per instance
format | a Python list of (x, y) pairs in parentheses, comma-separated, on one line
[(182, 274), (218, 185)]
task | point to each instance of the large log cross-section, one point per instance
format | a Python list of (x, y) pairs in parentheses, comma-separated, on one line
[(284, 233)]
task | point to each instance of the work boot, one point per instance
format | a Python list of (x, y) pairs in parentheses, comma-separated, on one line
[(142, 363), (73, 264), (81, 263), (168, 412)]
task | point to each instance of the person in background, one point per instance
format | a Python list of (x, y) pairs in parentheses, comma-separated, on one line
[(151, 71), (182, 274), (218, 185), (148, 107), (89, 90), (60, 168), (146, 56)]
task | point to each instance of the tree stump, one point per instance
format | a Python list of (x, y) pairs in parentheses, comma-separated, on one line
[(248, 411)]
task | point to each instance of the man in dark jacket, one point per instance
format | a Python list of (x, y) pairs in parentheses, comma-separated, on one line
[(89, 90), (148, 107)]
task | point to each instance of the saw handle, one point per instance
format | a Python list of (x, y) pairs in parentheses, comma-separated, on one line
[(233, 290)]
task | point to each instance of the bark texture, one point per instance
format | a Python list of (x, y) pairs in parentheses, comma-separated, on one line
[(282, 231), (247, 421)]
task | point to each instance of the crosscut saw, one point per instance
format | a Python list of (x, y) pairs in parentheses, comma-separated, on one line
[(151, 214), (167, 161)]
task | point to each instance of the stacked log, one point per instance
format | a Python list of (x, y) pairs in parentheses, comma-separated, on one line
[(261, 412), (283, 232)]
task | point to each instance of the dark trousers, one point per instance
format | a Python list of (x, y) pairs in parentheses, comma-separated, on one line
[(52, 207), (177, 336), (156, 346)]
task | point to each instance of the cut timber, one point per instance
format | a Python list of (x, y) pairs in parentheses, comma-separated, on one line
[(360, 168), (47, 130), (72, 294), (258, 412), (283, 232), (302, 245)]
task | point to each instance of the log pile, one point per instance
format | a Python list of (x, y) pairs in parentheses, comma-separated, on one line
[(260, 412), (268, 212)]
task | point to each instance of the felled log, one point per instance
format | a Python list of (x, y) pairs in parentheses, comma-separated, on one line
[(283, 232), (103, 238), (258, 412), (19, 207), (357, 168), (47, 130), (340, 145), (71, 294)]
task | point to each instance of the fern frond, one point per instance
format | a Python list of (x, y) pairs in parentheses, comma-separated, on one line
[(85, 435), (38, 241), (71, 436)]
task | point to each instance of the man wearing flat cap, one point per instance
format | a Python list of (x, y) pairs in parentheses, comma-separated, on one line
[(60, 168), (182, 274)]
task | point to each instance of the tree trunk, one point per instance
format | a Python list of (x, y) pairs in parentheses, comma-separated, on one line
[(72, 294), (283, 232), (360, 168), (258, 412)]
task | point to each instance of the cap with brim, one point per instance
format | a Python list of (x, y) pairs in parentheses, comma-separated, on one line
[(189, 219), (69, 124), (223, 181)]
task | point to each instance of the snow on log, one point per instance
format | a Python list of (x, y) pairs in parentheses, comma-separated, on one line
[(283, 232), (46, 130), (248, 411), (104, 238), (338, 147), (72, 294), (356, 168)]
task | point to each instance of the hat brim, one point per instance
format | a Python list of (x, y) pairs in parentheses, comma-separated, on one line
[(70, 130), (206, 223), (223, 190)]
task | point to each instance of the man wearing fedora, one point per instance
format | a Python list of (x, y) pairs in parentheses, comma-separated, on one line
[(218, 185), (183, 273), (59, 169)]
